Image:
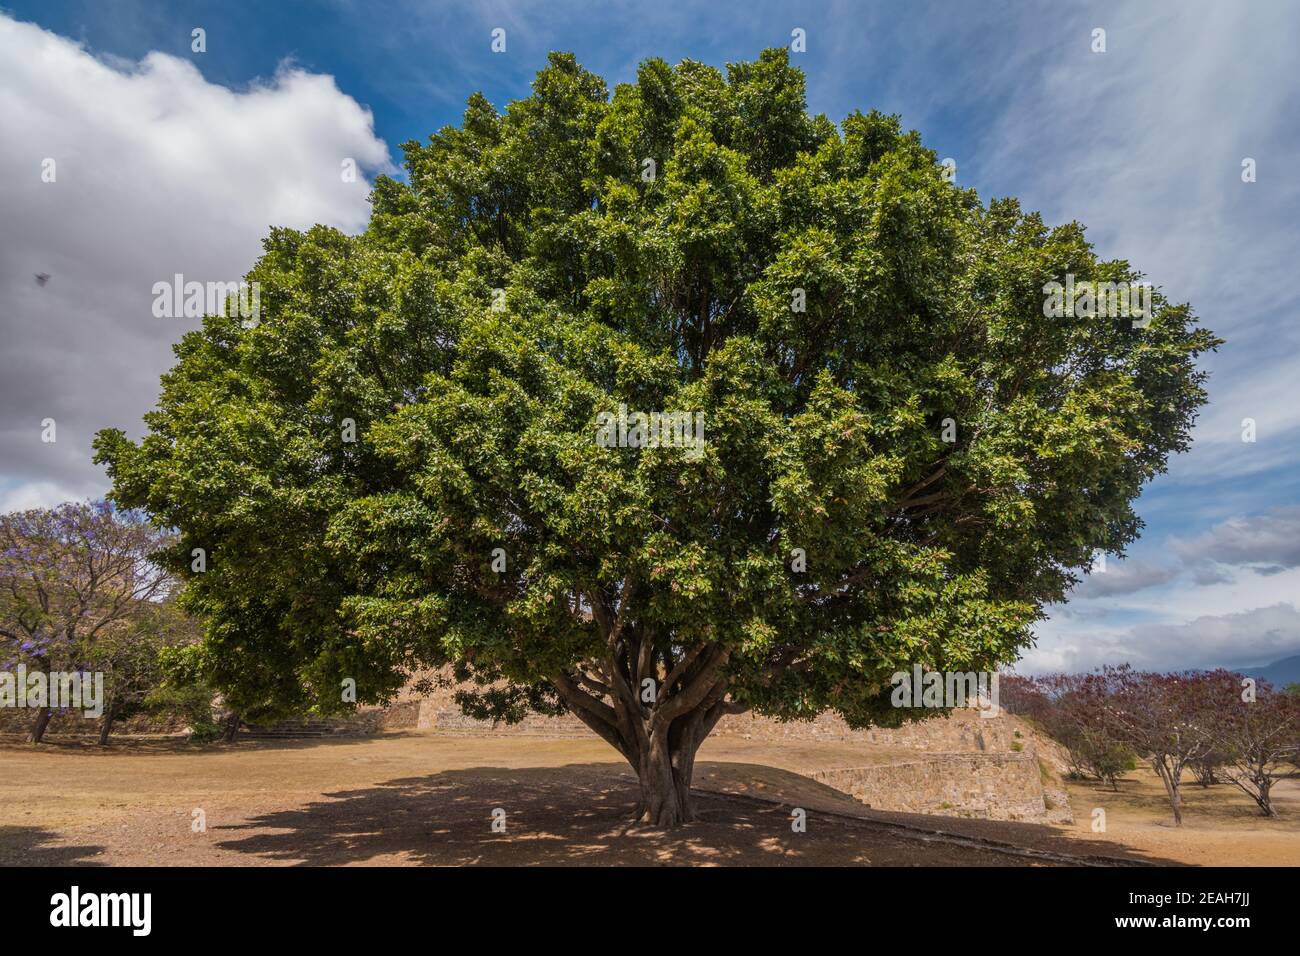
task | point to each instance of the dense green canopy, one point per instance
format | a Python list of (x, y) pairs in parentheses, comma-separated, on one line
[(944, 457)]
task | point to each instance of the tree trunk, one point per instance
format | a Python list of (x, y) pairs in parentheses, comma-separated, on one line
[(664, 775), (106, 725), (1171, 782), (667, 765), (1263, 784), (37, 733), (232, 728), (658, 739)]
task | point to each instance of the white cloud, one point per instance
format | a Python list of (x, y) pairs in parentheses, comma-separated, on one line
[(41, 494), (1270, 540), (158, 172), (1243, 552), (1241, 614), (1122, 577), (1243, 638)]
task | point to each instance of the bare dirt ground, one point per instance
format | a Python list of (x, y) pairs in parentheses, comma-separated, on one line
[(418, 798)]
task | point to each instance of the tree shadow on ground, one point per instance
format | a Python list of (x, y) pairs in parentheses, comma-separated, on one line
[(37, 846), (573, 815)]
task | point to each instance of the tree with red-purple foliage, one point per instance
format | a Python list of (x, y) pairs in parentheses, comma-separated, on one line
[(1256, 728), (1198, 721), (69, 576), (1163, 717), (1061, 707)]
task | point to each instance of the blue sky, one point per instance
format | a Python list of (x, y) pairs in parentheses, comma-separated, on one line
[(1143, 143)]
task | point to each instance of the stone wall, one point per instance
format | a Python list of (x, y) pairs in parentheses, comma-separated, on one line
[(445, 716), (1005, 786), (961, 730), (71, 723)]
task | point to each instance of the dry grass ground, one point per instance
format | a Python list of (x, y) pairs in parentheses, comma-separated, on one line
[(1221, 825), (412, 798)]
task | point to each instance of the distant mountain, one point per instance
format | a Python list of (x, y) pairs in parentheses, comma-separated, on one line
[(1279, 673)]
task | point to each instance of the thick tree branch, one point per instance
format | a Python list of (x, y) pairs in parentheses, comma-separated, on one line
[(681, 667), (904, 500), (696, 689)]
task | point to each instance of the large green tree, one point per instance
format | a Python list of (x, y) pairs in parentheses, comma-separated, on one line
[(903, 458)]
